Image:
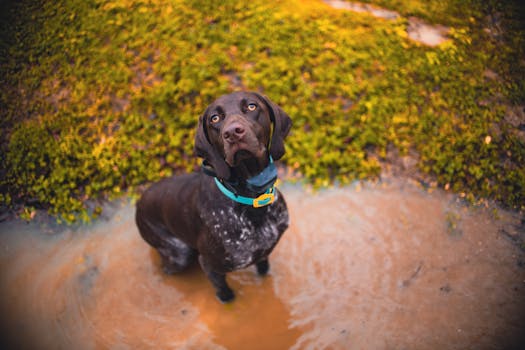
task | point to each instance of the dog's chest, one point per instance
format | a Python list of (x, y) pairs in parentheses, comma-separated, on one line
[(246, 237)]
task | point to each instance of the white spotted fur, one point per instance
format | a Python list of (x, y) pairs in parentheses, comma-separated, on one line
[(241, 239)]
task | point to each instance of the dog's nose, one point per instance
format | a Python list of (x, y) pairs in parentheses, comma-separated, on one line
[(233, 132)]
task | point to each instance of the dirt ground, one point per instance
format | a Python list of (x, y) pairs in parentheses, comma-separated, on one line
[(385, 266)]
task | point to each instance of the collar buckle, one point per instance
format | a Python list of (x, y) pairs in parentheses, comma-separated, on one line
[(264, 199)]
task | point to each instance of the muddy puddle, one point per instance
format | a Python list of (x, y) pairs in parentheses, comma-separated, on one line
[(385, 266)]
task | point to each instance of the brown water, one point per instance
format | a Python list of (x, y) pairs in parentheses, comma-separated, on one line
[(382, 267)]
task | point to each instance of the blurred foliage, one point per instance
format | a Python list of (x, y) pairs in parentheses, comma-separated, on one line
[(101, 96)]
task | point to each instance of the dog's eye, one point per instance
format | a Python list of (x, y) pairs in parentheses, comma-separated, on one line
[(214, 119), (252, 107)]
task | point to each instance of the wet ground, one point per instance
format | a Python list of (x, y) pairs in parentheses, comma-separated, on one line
[(386, 266), (417, 29)]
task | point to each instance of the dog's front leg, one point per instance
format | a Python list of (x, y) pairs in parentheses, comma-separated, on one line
[(223, 291), (262, 267)]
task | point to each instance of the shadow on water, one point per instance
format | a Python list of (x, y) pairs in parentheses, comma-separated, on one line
[(375, 268), (257, 317)]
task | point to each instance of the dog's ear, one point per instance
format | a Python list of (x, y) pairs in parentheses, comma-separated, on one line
[(282, 124), (204, 149)]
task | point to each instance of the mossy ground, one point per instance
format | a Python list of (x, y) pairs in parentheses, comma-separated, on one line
[(99, 97)]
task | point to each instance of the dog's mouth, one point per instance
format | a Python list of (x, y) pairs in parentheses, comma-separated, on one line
[(242, 155), (240, 152)]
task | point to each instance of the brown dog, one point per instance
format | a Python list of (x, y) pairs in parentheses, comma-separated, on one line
[(228, 215)]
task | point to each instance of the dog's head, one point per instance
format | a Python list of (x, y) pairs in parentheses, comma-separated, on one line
[(239, 130)]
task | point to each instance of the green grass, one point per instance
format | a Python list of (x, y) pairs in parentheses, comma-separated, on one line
[(99, 97)]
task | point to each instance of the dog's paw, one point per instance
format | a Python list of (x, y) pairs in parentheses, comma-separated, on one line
[(263, 267), (226, 295), (168, 270)]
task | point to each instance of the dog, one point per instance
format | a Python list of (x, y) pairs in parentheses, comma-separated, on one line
[(228, 215)]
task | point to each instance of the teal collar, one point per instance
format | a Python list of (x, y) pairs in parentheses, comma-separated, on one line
[(264, 199)]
